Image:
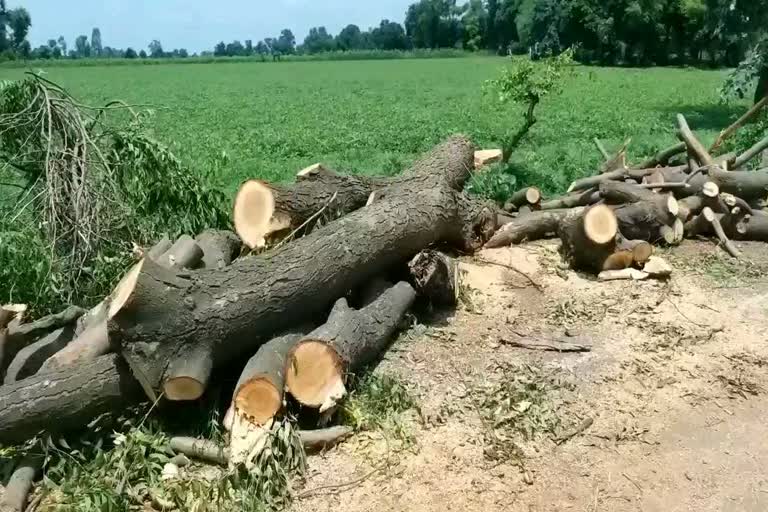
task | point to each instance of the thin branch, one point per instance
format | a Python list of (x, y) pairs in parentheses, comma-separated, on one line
[(514, 269), (306, 222), (752, 112), (602, 149)]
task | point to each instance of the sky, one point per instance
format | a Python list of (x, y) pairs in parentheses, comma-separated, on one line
[(198, 25)]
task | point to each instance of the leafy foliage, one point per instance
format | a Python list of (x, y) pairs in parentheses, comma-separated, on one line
[(526, 83)]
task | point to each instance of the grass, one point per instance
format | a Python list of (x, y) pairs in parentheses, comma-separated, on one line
[(242, 120)]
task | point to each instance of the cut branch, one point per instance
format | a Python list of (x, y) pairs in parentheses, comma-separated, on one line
[(694, 145), (533, 226)]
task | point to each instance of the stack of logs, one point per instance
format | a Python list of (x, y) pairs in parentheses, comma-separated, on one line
[(321, 274), (608, 223), (312, 288)]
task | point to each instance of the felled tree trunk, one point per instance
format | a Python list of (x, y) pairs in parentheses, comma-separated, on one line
[(317, 367), (164, 316), (529, 227), (31, 358), (60, 400)]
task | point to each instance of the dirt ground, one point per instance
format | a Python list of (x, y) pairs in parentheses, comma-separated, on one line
[(674, 385)]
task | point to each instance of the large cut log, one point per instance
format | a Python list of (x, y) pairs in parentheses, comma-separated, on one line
[(60, 400), (219, 247), (436, 277), (573, 200), (646, 220), (589, 237), (263, 210), (529, 227), (317, 367), (163, 316)]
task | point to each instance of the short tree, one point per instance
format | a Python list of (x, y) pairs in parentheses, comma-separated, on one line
[(526, 83)]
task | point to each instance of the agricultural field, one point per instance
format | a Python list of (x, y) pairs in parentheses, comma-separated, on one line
[(243, 120)]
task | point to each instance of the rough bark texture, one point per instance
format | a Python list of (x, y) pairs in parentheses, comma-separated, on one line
[(259, 391), (435, 276), (663, 156), (57, 401), (184, 253), (355, 339), (644, 220), (219, 247), (578, 247), (751, 228), (93, 342), (533, 226), (525, 197), (235, 308), (31, 358), (573, 200), (160, 248)]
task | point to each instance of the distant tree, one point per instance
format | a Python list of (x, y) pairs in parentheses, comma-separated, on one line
[(82, 48), (350, 38), (142, 53), (156, 49), (261, 49), (19, 21), (389, 35), (286, 43), (248, 47), (4, 43), (52, 44), (434, 23), (43, 52), (96, 45), (56, 53), (220, 50), (318, 40), (235, 48), (475, 23), (130, 53), (183, 53), (63, 45)]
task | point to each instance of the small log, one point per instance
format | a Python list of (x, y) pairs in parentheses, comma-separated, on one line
[(713, 219), (614, 192), (209, 451), (732, 202), (640, 249), (259, 392), (160, 248), (689, 207), (753, 228), (534, 226), (436, 277), (589, 237), (530, 196), (749, 154), (187, 375), (219, 247), (31, 358), (663, 156), (185, 253), (694, 145), (20, 485), (318, 365), (18, 336), (573, 200), (57, 401), (627, 274)]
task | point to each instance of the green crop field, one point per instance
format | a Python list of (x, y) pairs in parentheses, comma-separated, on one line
[(268, 120)]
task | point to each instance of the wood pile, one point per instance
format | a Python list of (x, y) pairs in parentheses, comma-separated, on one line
[(339, 262), (609, 223)]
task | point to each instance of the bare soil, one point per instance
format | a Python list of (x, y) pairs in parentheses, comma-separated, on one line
[(675, 385)]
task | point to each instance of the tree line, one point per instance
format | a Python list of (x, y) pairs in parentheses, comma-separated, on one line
[(607, 32)]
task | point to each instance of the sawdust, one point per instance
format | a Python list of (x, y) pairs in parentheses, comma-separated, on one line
[(672, 394)]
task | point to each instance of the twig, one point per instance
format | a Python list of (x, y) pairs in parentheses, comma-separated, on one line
[(639, 488), (756, 108), (516, 270), (750, 153), (547, 345), (578, 429), (306, 222), (728, 245)]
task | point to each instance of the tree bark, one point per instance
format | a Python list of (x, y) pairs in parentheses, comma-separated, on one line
[(663, 156), (588, 237), (219, 247), (530, 196), (166, 315), (20, 485), (31, 358), (694, 145), (57, 401), (761, 91), (160, 248), (435, 276), (533, 226), (753, 228), (573, 200), (184, 253), (645, 220), (317, 367)]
